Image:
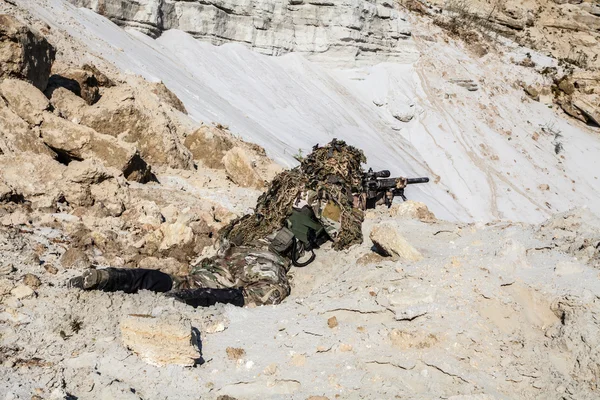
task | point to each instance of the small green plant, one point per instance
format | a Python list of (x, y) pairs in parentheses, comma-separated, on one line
[(299, 156)]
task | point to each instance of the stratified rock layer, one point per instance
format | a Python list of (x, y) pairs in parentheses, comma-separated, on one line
[(357, 27)]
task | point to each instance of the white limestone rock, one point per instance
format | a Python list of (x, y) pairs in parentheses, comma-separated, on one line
[(365, 28)]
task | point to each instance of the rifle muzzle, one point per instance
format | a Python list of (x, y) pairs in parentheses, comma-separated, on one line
[(411, 181)]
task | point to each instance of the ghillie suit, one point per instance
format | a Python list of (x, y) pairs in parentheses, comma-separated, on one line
[(247, 273), (326, 181)]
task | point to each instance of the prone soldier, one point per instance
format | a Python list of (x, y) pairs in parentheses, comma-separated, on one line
[(322, 199)]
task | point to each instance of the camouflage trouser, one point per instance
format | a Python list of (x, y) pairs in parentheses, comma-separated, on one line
[(261, 275)]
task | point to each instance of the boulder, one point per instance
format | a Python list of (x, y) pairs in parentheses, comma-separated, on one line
[(392, 243), (168, 97), (16, 136), (67, 104), (160, 341), (75, 258), (175, 235), (15, 218), (589, 20), (22, 292), (136, 117), (149, 214), (78, 81), (86, 172), (23, 53), (240, 169), (75, 142), (209, 145), (590, 110), (110, 196), (413, 210), (35, 177), (27, 101), (565, 102), (32, 281)]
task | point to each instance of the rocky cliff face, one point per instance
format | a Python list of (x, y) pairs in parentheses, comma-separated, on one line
[(358, 28)]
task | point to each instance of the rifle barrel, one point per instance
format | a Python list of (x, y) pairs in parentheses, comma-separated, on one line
[(411, 181)]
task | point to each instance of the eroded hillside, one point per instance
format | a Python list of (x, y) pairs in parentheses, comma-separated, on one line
[(120, 150)]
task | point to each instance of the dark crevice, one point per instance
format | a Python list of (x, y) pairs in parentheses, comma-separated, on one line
[(63, 156)]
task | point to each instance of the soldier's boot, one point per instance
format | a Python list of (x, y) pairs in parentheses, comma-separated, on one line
[(107, 280), (205, 297), (90, 279)]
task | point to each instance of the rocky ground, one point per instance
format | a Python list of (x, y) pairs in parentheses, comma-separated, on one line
[(567, 31), (484, 311), (98, 167)]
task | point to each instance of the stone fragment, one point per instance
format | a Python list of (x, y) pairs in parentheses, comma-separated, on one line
[(51, 269), (565, 102), (15, 218), (27, 101), (389, 240), (413, 210), (24, 54), (166, 96), (345, 347), (149, 214), (78, 81), (75, 258), (6, 269), (76, 142), (567, 86), (332, 322), (16, 135), (22, 292), (544, 186), (403, 112), (175, 235), (36, 179), (234, 353), (66, 103), (86, 172), (209, 145), (170, 213), (532, 92), (567, 268), (32, 281), (298, 360), (590, 110), (162, 340), (6, 285), (240, 170), (270, 369)]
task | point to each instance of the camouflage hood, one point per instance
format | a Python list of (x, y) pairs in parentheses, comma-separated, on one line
[(334, 171)]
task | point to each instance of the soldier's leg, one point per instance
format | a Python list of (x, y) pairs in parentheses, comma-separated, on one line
[(205, 297), (124, 279), (262, 293)]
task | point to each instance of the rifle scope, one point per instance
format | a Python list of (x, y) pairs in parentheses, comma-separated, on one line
[(382, 174)]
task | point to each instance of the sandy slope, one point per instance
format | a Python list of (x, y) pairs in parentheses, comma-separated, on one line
[(478, 143)]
